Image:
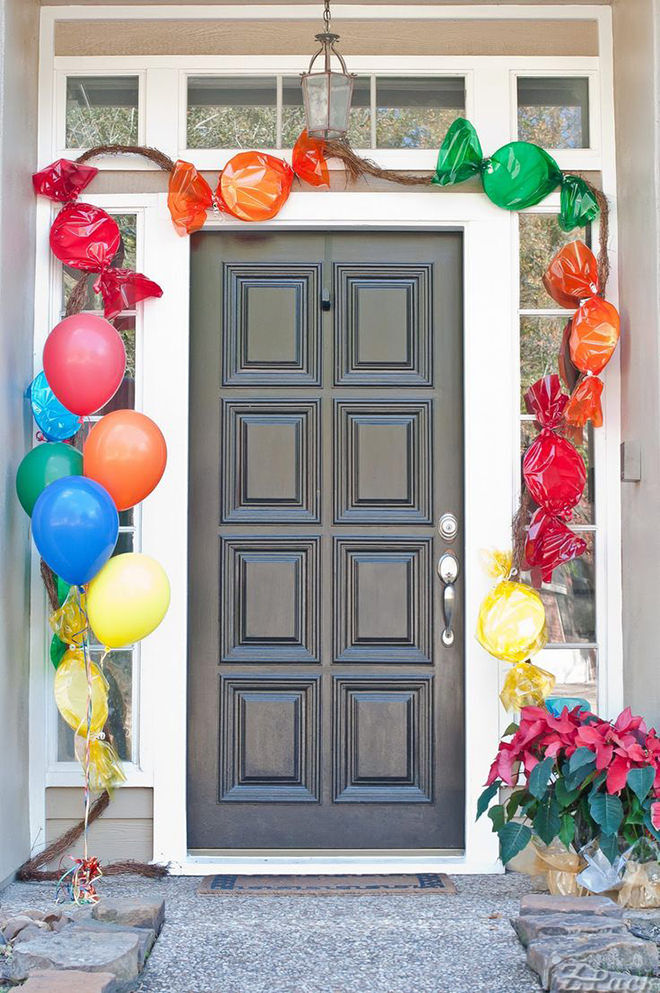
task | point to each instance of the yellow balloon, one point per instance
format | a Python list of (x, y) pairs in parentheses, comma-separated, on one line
[(511, 622), (526, 685), (71, 693), (127, 599)]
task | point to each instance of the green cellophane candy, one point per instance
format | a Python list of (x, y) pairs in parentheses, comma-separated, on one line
[(62, 590), (57, 650), (460, 156), (520, 175), (578, 205)]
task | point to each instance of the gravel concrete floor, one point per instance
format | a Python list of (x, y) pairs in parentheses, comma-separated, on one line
[(361, 944)]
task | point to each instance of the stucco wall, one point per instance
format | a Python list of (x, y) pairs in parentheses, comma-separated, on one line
[(18, 101), (636, 54)]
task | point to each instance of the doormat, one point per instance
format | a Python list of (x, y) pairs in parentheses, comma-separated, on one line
[(372, 885)]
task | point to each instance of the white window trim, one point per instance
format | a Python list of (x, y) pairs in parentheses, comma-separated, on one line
[(491, 377)]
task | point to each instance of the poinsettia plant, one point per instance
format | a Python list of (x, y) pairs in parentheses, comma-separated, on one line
[(577, 778)]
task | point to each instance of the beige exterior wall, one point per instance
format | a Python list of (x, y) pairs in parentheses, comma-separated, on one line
[(124, 831), (637, 95), (18, 122)]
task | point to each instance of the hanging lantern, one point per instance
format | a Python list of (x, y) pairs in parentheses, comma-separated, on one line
[(327, 94)]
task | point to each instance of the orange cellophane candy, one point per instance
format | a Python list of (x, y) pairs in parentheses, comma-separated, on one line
[(572, 275), (309, 161), (254, 186), (189, 197), (585, 405), (594, 335)]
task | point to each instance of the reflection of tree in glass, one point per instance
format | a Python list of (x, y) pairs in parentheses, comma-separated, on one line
[(118, 668), (232, 127), (551, 127), (413, 127), (540, 239), (540, 340), (89, 126)]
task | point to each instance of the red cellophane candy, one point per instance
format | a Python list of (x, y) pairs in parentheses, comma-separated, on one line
[(63, 180), (254, 186), (309, 161), (594, 335), (189, 197), (553, 469), (555, 475), (572, 275), (86, 238), (585, 403), (549, 543)]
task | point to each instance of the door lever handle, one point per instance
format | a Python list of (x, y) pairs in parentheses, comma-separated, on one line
[(448, 572)]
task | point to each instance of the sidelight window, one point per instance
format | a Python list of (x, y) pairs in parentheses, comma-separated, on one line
[(570, 598), (120, 666)]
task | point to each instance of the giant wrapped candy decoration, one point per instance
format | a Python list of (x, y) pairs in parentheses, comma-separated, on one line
[(526, 685), (516, 176), (87, 238), (254, 186), (309, 161), (592, 335), (189, 197), (555, 475)]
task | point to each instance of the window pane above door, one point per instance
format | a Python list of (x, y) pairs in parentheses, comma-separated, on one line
[(101, 110), (554, 111), (415, 112), (232, 112)]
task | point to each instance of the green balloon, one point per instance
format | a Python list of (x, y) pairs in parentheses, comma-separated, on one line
[(57, 650), (520, 175), (43, 465)]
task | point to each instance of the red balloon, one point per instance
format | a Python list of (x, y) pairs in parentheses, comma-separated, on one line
[(84, 362)]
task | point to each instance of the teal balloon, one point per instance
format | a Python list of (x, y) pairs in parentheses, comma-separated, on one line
[(42, 466), (55, 422), (520, 175)]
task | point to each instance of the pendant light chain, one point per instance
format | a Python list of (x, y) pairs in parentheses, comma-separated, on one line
[(326, 15)]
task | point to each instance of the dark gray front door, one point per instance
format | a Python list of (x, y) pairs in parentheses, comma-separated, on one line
[(326, 441)]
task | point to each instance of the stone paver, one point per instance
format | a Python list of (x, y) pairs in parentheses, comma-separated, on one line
[(577, 977), (546, 903), (69, 981), (146, 937), (619, 953), (75, 948), (530, 927), (131, 913)]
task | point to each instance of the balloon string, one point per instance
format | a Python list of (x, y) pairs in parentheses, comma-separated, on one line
[(88, 735)]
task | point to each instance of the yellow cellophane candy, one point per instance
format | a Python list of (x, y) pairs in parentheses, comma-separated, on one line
[(69, 622), (105, 771), (71, 693), (526, 685), (511, 622), (497, 563)]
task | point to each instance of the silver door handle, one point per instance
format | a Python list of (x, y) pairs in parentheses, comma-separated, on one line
[(448, 572)]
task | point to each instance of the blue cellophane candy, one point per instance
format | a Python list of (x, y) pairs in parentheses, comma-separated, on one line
[(55, 422)]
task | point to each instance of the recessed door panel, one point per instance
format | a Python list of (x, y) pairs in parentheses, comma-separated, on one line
[(325, 710)]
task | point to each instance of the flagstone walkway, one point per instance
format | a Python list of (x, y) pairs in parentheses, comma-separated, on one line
[(331, 944)]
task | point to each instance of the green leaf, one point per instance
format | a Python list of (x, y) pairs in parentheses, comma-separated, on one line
[(564, 796), (636, 813), (580, 757), (512, 728), (597, 782), (539, 777), (513, 838), (486, 797), (515, 801), (547, 821), (609, 846), (648, 824), (576, 779), (629, 833), (607, 811), (567, 829), (640, 781), (496, 815)]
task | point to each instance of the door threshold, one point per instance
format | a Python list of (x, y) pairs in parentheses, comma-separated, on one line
[(202, 863)]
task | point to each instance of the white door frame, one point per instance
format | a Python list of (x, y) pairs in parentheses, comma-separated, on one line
[(490, 396)]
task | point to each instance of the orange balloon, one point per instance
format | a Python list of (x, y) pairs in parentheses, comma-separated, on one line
[(254, 186), (594, 335), (125, 452)]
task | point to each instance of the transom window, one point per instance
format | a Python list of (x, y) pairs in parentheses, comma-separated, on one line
[(101, 110), (554, 111)]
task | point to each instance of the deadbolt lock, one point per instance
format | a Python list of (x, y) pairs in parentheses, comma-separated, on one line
[(448, 526)]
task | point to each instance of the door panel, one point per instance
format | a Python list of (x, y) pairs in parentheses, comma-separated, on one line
[(325, 443)]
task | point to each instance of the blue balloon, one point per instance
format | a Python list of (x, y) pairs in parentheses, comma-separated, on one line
[(55, 422), (75, 526)]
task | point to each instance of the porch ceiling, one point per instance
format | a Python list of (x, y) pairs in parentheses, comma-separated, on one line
[(394, 3)]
